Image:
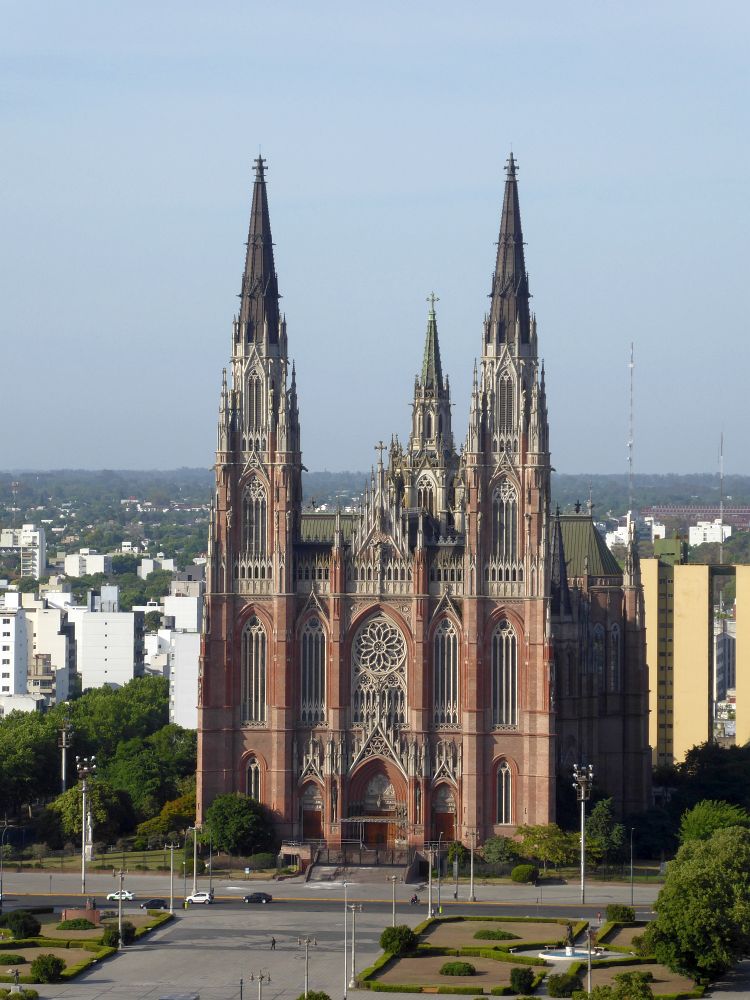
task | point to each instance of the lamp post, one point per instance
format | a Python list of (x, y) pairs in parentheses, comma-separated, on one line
[(64, 742), (121, 876), (264, 976), (6, 827), (306, 942), (195, 857), (346, 905), (171, 847), (429, 880), (440, 842), (210, 862), (632, 903), (184, 882), (354, 907), (472, 848), (393, 879), (86, 766), (589, 932), (583, 779)]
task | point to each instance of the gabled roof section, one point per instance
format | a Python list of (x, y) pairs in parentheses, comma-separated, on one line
[(509, 312), (432, 370), (585, 550), (318, 529), (259, 309)]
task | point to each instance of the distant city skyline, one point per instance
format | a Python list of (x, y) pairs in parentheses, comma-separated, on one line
[(129, 140)]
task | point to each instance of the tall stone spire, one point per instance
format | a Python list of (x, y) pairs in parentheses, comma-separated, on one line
[(509, 311), (259, 310), (432, 371)]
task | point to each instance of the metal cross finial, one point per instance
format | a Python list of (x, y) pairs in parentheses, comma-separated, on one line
[(432, 299), (380, 447)]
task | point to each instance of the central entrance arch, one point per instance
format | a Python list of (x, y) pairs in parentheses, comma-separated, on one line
[(377, 804)]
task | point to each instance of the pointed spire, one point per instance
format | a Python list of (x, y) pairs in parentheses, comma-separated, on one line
[(259, 311), (432, 372), (560, 592), (509, 312)]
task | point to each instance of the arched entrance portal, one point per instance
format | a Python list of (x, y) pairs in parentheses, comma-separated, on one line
[(444, 813), (377, 811), (312, 812)]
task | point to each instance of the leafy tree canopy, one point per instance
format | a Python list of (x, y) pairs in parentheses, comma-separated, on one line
[(708, 816), (500, 850), (111, 810), (240, 825), (547, 843), (604, 831), (627, 986)]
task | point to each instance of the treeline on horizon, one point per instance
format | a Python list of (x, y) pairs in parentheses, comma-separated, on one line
[(609, 493)]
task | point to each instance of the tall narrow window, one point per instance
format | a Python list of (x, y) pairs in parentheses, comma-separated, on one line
[(254, 402), (504, 794), (312, 686), (379, 675), (252, 781), (597, 651), (428, 425), (505, 521), (504, 676), (254, 516), (614, 659), (426, 494), (445, 673), (253, 680), (505, 421)]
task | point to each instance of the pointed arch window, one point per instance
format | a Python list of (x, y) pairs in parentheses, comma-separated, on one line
[(504, 675), (252, 779), (379, 675), (428, 425), (445, 674), (312, 682), (426, 494), (254, 401), (597, 651), (254, 518), (504, 794), (505, 521), (505, 399), (253, 677), (615, 679)]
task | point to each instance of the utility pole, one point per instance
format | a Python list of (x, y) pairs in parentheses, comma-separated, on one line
[(86, 766)]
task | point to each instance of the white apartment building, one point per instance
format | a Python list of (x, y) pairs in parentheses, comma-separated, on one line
[(646, 528), (708, 531), (14, 651), (31, 543), (109, 649), (151, 565), (184, 653), (87, 562)]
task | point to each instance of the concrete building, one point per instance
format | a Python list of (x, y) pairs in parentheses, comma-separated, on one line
[(109, 647), (14, 649), (725, 657), (646, 529), (184, 657), (31, 544), (742, 653), (183, 606), (149, 566), (87, 562), (709, 531), (434, 663)]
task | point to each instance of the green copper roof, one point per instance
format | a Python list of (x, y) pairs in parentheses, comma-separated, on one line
[(317, 529), (581, 540)]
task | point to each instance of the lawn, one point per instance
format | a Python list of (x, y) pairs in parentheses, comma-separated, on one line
[(460, 933), (425, 971), (665, 982)]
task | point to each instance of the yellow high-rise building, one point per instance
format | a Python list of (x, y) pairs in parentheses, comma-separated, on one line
[(743, 654)]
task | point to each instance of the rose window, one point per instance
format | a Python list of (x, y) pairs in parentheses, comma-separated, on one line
[(379, 674)]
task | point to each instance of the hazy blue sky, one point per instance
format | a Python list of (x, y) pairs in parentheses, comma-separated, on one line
[(128, 134)]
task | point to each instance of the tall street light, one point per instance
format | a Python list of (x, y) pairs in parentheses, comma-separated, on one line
[(346, 954), (306, 942), (472, 848), (86, 766), (171, 847), (429, 880), (64, 742), (121, 876), (195, 857), (440, 844), (355, 908), (393, 879), (632, 903), (263, 977), (583, 779), (6, 827)]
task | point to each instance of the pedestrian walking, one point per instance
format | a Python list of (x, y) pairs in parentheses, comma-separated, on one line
[(273, 944)]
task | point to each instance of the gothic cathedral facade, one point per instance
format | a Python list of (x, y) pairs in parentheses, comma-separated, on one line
[(435, 662)]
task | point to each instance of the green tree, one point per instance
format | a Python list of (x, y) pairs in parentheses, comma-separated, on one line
[(708, 816), (152, 621), (627, 986), (500, 850), (240, 825), (111, 810), (176, 815), (603, 832), (124, 563), (398, 940), (702, 924), (546, 843)]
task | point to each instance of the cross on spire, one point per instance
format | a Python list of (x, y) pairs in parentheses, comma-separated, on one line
[(432, 299), (380, 447)]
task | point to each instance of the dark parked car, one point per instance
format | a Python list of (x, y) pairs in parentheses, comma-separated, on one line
[(258, 897), (155, 904)]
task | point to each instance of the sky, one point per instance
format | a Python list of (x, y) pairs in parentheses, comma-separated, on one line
[(128, 133)]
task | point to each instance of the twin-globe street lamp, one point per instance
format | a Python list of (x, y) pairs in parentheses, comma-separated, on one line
[(583, 780), (86, 766)]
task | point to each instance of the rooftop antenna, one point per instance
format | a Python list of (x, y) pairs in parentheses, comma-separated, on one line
[(721, 499), (631, 435)]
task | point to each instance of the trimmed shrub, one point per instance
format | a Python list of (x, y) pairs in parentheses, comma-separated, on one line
[(128, 932), (21, 923), (111, 937), (47, 969), (641, 946), (495, 936), (521, 979), (79, 924), (398, 940), (314, 995), (265, 859), (457, 969), (525, 873), (620, 913), (564, 984), (7, 958), (25, 994)]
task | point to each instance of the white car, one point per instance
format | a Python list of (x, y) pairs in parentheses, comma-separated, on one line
[(121, 894), (200, 897)]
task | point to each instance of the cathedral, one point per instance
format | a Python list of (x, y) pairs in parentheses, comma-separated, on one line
[(431, 665)]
